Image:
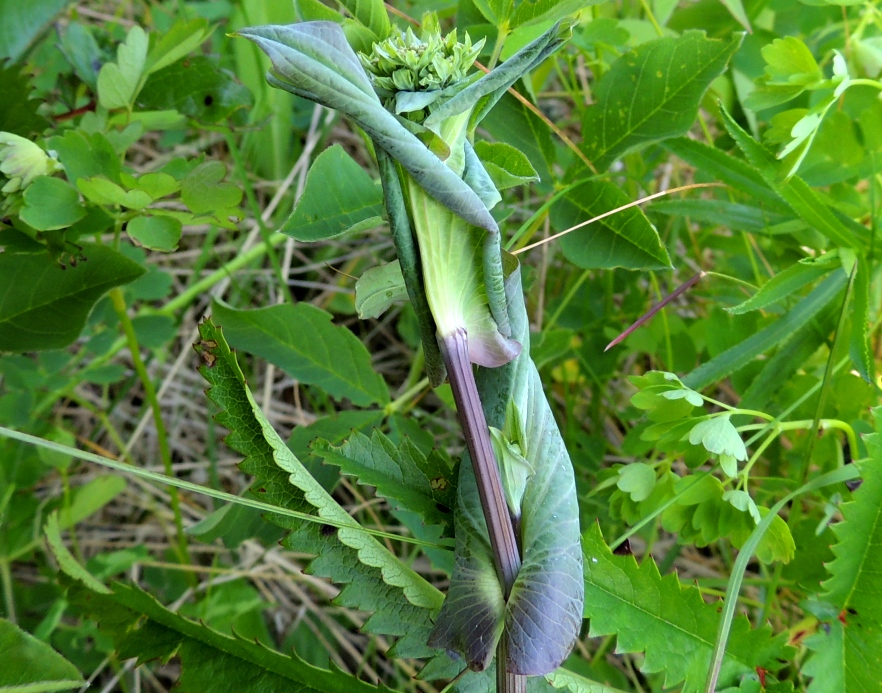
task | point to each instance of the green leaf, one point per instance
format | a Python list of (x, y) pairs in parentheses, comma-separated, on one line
[(204, 193), (652, 93), (174, 44), (105, 192), (796, 192), (637, 480), (32, 666), (736, 9), (664, 619), (374, 580), (506, 165), (777, 543), (403, 475), (327, 208), (197, 87), (118, 82), (51, 203), (371, 14), (496, 11), (846, 657), (719, 437), (157, 185), (740, 217), (859, 343), (790, 69), (778, 332), (626, 239), (44, 305), (155, 233), (782, 285), (85, 155), (19, 113), (314, 60), (301, 340), (535, 11), (22, 22), (378, 289), (563, 679)]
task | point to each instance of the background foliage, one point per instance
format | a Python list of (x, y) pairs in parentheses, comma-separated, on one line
[(727, 453)]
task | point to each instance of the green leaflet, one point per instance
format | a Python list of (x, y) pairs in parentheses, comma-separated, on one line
[(669, 622), (652, 93), (782, 285), (302, 340), (284, 480), (32, 666), (543, 613), (848, 657), (313, 60), (326, 209), (378, 288)]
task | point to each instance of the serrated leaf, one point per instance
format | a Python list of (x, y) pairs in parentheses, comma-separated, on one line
[(664, 619), (402, 474), (51, 203), (378, 289), (328, 209), (652, 93), (44, 306), (781, 286), (301, 340), (32, 666), (374, 580), (626, 239)]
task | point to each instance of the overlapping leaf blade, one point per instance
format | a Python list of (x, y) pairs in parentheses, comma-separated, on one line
[(671, 623), (652, 93)]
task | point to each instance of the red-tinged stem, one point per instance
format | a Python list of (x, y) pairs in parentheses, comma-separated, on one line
[(455, 350)]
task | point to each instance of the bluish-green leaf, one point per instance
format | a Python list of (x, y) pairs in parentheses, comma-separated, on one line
[(652, 93), (339, 197), (301, 340), (44, 305), (626, 239)]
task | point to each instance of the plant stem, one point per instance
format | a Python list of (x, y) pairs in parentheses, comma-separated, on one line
[(119, 305), (454, 349)]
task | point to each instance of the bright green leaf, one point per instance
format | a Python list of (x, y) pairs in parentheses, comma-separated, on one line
[(777, 543), (637, 480), (327, 208), (378, 289), (32, 666), (44, 305), (301, 340), (506, 165), (175, 43), (118, 82), (51, 203), (105, 192), (156, 233), (652, 93), (535, 11), (718, 436)]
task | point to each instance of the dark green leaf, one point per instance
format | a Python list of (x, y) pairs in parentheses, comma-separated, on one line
[(176, 42), (666, 620), (302, 341), (652, 93), (44, 305), (18, 111), (626, 239), (197, 87), (86, 155), (329, 207), (738, 217), (51, 203), (30, 665)]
